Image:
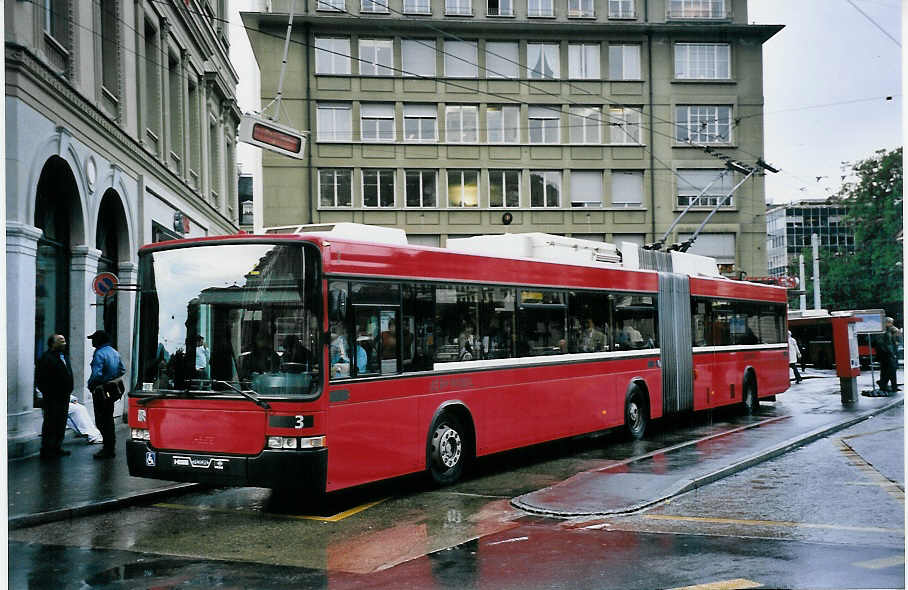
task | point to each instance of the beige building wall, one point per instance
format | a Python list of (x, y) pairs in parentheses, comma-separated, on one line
[(657, 92)]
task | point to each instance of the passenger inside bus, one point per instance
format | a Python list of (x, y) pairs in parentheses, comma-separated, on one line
[(389, 341), (340, 362), (591, 338), (467, 342)]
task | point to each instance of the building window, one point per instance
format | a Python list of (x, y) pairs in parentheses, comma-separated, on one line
[(461, 59), (544, 124), (335, 122), (373, 6), (55, 18), (175, 116), (542, 61), (152, 95), (332, 55), (697, 9), (586, 188), (463, 188), (703, 124), (624, 123), (420, 187), (585, 124), (624, 62), (418, 57), (545, 188), (501, 59), (376, 57), (417, 6), (376, 121), (503, 123), (581, 8), (702, 61), (718, 246), (692, 182), (540, 8), (420, 122), (336, 5), (461, 123), (459, 7), (335, 187), (621, 9), (500, 8), (214, 162), (378, 187), (583, 61), (195, 134), (627, 188), (109, 44), (504, 188)]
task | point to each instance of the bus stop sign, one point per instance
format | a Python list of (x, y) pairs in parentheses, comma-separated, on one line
[(105, 284)]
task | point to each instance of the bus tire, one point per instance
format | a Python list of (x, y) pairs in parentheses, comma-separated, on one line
[(636, 414), (447, 449), (749, 399)]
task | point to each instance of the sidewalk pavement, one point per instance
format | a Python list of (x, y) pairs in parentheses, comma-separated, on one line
[(48, 490), (45, 491)]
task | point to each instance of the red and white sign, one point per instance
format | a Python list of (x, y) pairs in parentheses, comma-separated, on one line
[(105, 284), (272, 136)]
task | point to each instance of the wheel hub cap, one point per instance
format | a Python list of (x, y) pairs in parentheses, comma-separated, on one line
[(448, 447)]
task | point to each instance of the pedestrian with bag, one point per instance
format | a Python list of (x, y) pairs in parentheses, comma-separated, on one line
[(106, 388), (54, 379)]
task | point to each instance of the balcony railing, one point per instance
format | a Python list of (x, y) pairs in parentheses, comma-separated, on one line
[(698, 10)]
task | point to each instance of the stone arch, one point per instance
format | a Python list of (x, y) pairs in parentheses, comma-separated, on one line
[(58, 213), (113, 242)]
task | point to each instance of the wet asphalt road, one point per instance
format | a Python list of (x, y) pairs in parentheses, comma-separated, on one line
[(828, 515)]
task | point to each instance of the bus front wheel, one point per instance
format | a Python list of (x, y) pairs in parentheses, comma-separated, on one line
[(447, 449), (635, 415)]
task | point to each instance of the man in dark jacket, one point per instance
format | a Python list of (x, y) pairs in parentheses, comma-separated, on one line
[(887, 347), (54, 378), (106, 367)]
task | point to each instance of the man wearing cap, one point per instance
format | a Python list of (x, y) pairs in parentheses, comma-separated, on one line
[(106, 366)]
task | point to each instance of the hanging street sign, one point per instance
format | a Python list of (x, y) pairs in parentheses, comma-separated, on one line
[(267, 134), (104, 284)]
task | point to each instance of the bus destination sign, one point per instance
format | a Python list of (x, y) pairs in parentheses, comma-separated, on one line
[(272, 136)]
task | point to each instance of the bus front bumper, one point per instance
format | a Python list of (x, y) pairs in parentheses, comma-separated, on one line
[(306, 469)]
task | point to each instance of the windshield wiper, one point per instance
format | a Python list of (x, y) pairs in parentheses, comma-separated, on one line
[(249, 394)]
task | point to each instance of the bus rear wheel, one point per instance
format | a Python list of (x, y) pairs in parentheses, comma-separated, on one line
[(749, 397), (635, 415), (447, 449)]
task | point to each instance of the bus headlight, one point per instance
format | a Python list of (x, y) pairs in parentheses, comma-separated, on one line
[(291, 442), (141, 434)]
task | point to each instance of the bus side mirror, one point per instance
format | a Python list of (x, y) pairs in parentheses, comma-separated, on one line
[(337, 305)]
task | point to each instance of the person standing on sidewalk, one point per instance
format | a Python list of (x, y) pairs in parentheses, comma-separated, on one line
[(794, 353), (887, 347), (54, 378), (106, 368)]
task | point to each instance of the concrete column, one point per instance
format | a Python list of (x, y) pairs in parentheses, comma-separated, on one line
[(83, 316), (22, 421)]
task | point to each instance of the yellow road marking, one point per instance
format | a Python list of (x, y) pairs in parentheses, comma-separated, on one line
[(736, 584), (883, 562), (858, 462), (806, 525), (332, 518)]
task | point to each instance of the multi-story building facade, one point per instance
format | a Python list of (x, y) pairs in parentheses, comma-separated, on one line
[(789, 228), (584, 118), (120, 130)]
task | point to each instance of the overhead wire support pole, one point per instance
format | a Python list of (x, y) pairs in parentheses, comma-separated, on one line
[(280, 83), (658, 245)]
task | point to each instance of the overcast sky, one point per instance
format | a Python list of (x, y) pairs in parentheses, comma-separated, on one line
[(828, 52)]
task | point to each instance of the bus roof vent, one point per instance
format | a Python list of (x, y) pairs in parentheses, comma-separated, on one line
[(352, 231), (540, 246)]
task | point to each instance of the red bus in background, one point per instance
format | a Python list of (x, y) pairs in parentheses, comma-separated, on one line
[(322, 361)]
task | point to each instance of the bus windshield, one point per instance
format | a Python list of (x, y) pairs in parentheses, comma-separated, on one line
[(230, 316)]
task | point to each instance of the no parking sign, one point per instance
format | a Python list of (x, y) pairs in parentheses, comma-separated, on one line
[(105, 284)]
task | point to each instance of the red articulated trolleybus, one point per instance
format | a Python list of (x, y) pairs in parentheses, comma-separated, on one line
[(341, 355)]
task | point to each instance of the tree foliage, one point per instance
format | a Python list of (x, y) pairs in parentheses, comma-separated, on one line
[(872, 277)]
